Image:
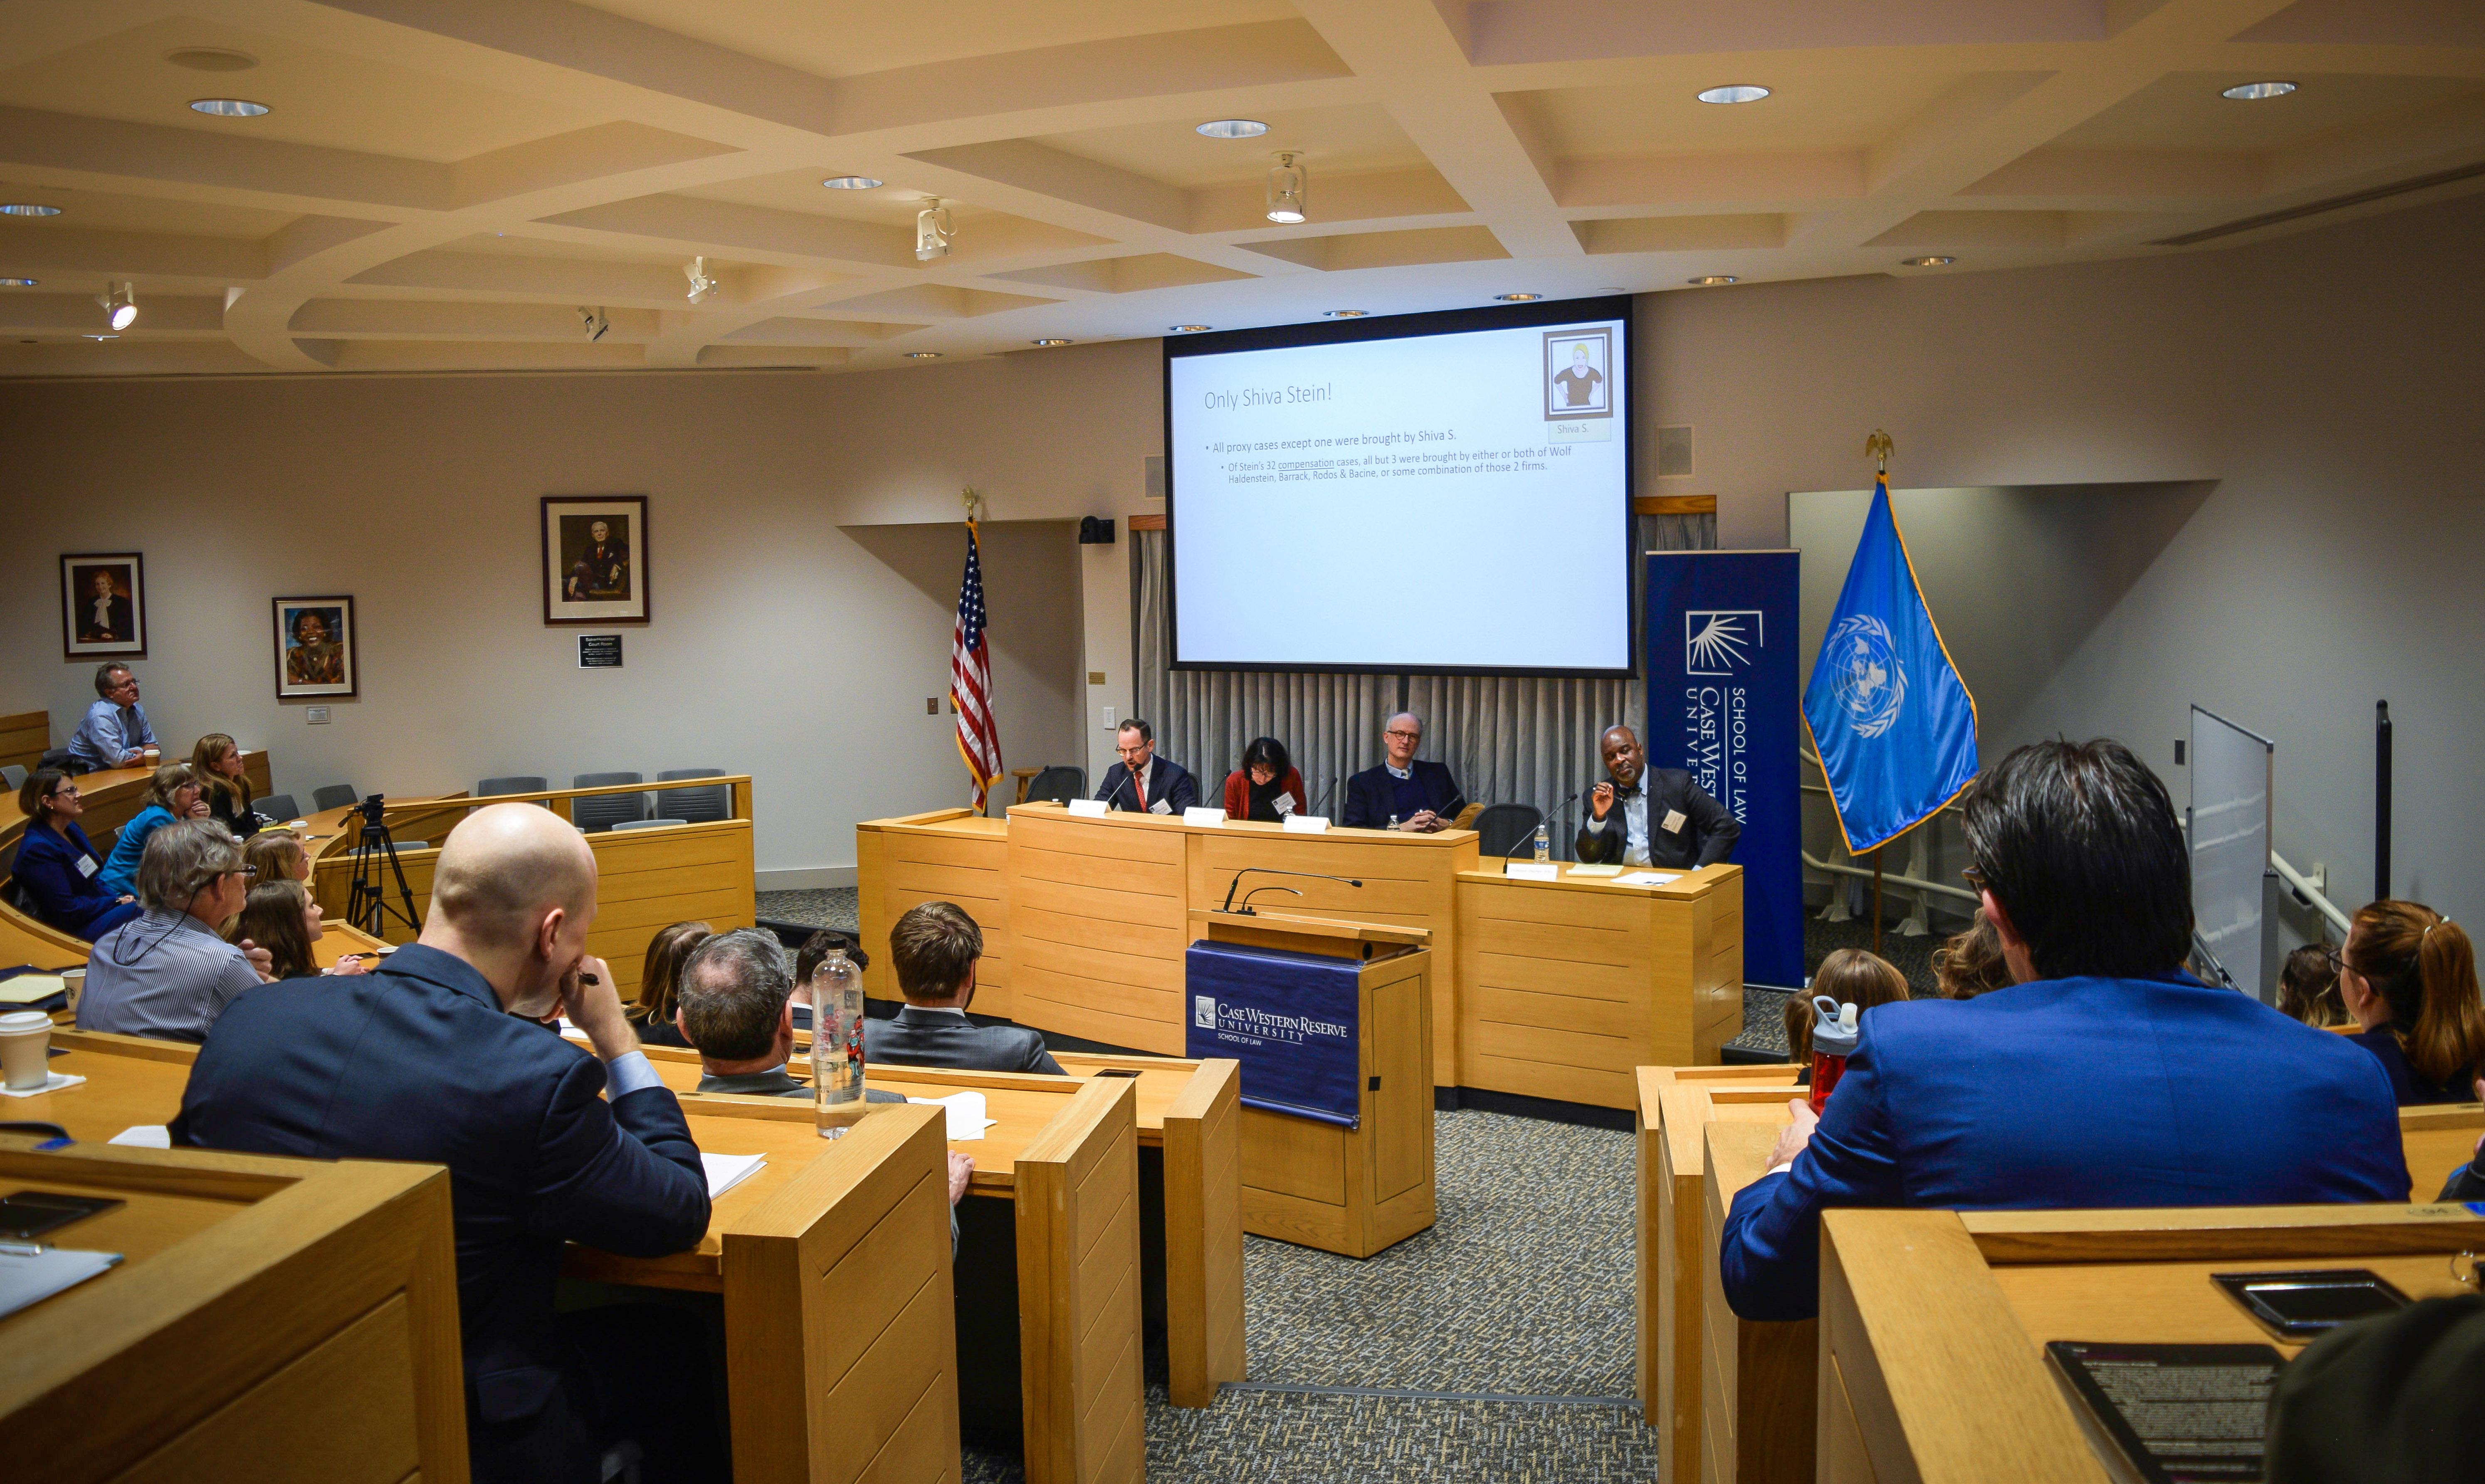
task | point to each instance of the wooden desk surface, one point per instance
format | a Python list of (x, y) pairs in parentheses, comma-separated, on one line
[(1686, 885)]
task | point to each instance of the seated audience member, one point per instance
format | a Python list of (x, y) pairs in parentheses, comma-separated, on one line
[(58, 867), (1640, 816), (2408, 977), (1421, 796), (1143, 783), (2102, 1077), (276, 855), (168, 974), (217, 764), (660, 976), (171, 794), (1266, 787), (934, 948), (432, 1058), (280, 917), (2389, 1400), (2307, 987), (115, 732), (1849, 977), (735, 1005), (807, 962), (1971, 963)]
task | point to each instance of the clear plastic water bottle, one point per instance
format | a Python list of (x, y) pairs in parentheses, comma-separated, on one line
[(1544, 844), (836, 1043), (1393, 822)]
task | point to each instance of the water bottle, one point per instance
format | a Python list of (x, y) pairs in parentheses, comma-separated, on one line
[(1393, 822), (1834, 1033), (836, 1043), (1544, 844)]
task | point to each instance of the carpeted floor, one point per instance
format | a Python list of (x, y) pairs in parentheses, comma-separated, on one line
[(829, 907)]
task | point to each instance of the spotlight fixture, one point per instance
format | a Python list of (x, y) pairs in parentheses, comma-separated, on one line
[(702, 287), (1050, 340), (923, 355), (28, 209), (1189, 329), (1286, 185), (1936, 261), (17, 283), (227, 107), (1344, 314), (1734, 92), (2254, 92), (595, 320), (121, 305), (1715, 281), (1233, 128), (1518, 298), (932, 230), (851, 183)]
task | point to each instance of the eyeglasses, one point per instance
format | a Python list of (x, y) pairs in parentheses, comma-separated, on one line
[(1405, 735), (2335, 956), (243, 871), (65, 791), (1133, 752), (1974, 877)]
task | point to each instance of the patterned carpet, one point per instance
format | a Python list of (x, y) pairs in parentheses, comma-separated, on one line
[(829, 907)]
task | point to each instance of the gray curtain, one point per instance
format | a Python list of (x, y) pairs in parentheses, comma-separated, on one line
[(1508, 738)]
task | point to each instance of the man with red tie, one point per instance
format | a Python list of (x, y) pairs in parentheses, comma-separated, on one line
[(1144, 782)]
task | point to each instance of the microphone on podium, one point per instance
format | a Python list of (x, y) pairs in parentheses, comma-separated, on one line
[(1114, 792), (1270, 870)]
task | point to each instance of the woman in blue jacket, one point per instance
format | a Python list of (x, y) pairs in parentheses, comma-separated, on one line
[(174, 794), (59, 868)]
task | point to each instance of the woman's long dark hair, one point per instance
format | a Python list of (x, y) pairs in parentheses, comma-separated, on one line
[(1271, 753)]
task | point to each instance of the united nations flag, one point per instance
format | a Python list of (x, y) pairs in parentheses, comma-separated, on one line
[(1893, 724)]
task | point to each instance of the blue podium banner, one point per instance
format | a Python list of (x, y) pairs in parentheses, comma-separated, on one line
[(1722, 703), (1291, 1019)]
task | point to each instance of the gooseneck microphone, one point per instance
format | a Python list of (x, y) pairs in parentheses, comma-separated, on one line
[(1256, 891), (1114, 792), (1270, 870), (1323, 798)]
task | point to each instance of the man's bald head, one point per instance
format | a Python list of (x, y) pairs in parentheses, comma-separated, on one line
[(1624, 759), (505, 867)]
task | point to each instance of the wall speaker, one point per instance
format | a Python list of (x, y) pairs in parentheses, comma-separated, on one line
[(1672, 452), (1095, 531)]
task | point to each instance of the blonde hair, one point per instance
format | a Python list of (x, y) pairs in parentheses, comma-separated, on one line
[(211, 751), (2307, 988), (1971, 964), (1849, 977), (168, 779), (2423, 966), (277, 856)]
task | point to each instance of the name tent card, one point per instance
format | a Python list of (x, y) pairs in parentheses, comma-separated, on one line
[(1533, 870), (1306, 824), (1088, 809), (1197, 815)]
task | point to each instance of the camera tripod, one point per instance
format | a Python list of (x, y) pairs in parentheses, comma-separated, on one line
[(367, 904)]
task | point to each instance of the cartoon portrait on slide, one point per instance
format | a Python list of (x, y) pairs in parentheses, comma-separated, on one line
[(1578, 374)]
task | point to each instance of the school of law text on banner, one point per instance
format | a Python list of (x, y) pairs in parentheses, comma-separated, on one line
[(1721, 703), (1291, 1019)]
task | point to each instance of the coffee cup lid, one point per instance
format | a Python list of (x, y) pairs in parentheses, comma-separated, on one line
[(19, 1022)]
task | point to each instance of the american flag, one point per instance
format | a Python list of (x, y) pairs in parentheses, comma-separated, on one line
[(970, 681)]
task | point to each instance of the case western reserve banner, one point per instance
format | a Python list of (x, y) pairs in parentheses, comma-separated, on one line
[(1291, 1019)]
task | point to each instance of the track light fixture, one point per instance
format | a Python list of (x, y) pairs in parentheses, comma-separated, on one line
[(702, 287), (932, 230), (119, 305), (595, 320), (1288, 185)]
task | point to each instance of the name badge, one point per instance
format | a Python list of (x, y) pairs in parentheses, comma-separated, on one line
[(1674, 821), (1161, 806), (1284, 805), (86, 866)]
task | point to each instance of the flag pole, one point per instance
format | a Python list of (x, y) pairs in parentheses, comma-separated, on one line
[(1877, 897), (1877, 447)]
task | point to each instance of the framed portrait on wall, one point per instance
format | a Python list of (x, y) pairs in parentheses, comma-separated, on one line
[(595, 558), (103, 605), (316, 646)]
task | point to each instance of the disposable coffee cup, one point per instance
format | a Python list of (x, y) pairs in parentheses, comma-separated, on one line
[(25, 1049)]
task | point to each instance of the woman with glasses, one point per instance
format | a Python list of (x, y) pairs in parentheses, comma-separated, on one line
[(167, 973), (2408, 976), (58, 867), (1266, 787), (172, 794)]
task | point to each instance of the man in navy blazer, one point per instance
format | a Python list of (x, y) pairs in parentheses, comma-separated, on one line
[(934, 948), (1422, 795), (440, 1057), (1144, 782), (2104, 1076)]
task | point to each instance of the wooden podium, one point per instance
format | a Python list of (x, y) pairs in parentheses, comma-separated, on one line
[(1348, 1190)]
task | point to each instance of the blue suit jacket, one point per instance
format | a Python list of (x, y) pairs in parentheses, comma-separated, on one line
[(419, 1061), (69, 900), (2069, 1094), (1168, 781), (1371, 795)]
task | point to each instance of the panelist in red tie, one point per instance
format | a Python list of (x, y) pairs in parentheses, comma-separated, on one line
[(1144, 782)]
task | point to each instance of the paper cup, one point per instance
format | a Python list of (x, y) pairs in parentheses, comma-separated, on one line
[(25, 1049)]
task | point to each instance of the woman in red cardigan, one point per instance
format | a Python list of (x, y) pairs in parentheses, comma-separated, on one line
[(1266, 787)]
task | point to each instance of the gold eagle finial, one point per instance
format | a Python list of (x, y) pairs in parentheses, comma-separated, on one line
[(1877, 447)]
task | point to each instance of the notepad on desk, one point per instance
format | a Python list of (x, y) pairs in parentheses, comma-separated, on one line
[(33, 988), (966, 1113), (29, 1275), (725, 1172)]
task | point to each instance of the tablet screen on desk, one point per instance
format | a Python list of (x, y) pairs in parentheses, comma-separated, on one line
[(2303, 1304), (32, 1213), (2175, 1414)]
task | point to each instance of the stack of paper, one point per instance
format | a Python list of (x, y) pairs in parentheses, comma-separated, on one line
[(725, 1172), (1646, 879), (144, 1135), (29, 988), (966, 1113), (30, 1275)]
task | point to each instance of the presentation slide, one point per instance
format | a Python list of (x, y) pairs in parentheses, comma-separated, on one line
[(1453, 500)]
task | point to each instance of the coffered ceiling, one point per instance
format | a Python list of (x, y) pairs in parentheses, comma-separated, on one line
[(447, 184)]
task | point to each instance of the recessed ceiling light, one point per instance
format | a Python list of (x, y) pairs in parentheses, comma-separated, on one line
[(2254, 92), (211, 58), (1715, 281), (1936, 262), (1518, 298), (1344, 314), (227, 107), (1049, 340), (28, 209), (853, 183), (17, 283), (1734, 92), (1186, 329), (1233, 128), (923, 355)]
